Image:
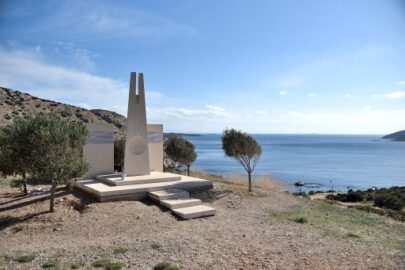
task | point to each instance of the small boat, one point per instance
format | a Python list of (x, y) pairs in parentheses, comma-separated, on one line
[(299, 184)]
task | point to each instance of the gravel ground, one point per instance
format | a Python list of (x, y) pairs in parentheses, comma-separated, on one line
[(248, 232)]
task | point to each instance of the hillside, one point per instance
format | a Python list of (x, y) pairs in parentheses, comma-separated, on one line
[(398, 136), (15, 103)]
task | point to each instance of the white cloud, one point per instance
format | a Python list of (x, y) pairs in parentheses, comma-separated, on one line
[(86, 19), (283, 93), (312, 94), (153, 95), (208, 113), (28, 70), (395, 95), (401, 83), (347, 96)]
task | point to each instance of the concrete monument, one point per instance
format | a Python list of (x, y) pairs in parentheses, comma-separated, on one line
[(143, 174), (136, 159)]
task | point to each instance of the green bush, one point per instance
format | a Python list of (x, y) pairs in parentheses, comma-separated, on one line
[(354, 197), (25, 258), (166, 266), (352, 235), (389, 201), (77, 265), (120, 250), (107, 264), (302, 220), (51, 264)]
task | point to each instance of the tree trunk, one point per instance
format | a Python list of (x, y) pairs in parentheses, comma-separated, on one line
[(250, 181), (25, 183), (52, 196), (188, 170)]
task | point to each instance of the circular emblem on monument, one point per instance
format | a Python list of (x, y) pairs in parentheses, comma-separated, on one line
[(137, 145)]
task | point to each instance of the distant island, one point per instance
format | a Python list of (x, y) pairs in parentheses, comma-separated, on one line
[(398, 136), (176, 134)]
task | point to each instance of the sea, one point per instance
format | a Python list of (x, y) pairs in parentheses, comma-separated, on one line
[(331, 162)]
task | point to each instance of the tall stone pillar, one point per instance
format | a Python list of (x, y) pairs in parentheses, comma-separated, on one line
[(136, 159)]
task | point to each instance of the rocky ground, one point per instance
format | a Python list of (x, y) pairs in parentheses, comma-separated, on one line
[(265, 230)]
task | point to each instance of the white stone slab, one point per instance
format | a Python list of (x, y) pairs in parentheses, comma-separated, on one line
[(194, 211), (180, 203), (153, 177), (168, 194)]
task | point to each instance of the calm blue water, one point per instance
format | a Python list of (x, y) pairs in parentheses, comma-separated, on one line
[(341, 161)]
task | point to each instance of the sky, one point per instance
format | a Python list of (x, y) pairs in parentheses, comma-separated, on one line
[(302, 66)]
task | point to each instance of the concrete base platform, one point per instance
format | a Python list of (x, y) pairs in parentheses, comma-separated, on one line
[(153, 177), (104, 192)]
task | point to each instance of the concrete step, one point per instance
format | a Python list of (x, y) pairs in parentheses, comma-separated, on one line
[(168, 194), (180, 203), (194, 211)]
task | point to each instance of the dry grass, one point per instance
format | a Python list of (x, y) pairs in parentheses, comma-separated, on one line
[(260, 181)]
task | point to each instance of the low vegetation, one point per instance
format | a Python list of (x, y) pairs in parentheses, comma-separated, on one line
[(155, 246), (302, 220), (166, 266), (390, 198), (344, 223), (51, 264), (77, 265), (120, 250), (26, 258), (107, 264)]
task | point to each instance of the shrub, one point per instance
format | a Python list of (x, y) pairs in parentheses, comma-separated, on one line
[(65, 113), (354, 197), (155, 246), (51, 264), (352, 235), (166, 266), (107, 264), (7, 117), (389, 201), (77, 265), (26, 258), (37, 105), (301, 220), (120, 250), (15, 112)]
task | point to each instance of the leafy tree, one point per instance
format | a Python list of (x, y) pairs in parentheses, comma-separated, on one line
[(54, 149), (119, 148), (15, 149), (180, 150), (243, 148)]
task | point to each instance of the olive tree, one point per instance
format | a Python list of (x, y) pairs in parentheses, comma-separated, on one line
[(15, 149), (243, 148), (54, 149), (181, 150)]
